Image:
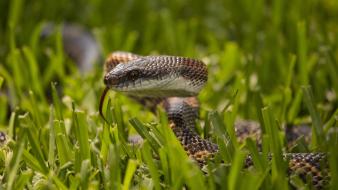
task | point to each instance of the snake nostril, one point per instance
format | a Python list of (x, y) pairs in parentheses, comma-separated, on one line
[(110, 79), (106, 79)]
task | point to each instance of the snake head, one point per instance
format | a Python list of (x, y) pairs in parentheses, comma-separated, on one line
[(122, 76), (158, 76)]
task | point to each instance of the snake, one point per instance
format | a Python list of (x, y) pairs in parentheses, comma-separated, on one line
[(174, 83)]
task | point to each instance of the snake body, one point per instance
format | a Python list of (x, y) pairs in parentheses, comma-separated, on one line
[(174, 82)]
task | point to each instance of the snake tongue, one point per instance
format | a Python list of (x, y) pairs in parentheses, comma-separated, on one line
[(104, 93)]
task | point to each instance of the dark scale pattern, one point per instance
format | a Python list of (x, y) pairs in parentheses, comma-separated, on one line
[(183, 111), (191, 69), (313, 164), (303, 165), (118, 57)]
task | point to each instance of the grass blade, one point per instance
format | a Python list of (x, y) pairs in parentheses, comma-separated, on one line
[(236, 166), (51, 147), (57, 103), (114, 167), (64, 152), (318, 135), (81, 133), (31, 133), (146, 152), (278, 164), (12, 169), (131, 168), (142, 130)]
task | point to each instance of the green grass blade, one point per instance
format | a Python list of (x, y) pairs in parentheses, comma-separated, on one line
[(318, 135), (64, 151), (81, 132), (332, 121), (302, 53), (34, 73), (56, 102), (23, 180), (142, 130), (1, 81), (165, 165), (51, 147), (59, 184), (146, 152), (105, 142), (14, 13), (131, 168), (295, 105), (114, 167), (236, 167), (259, 164), (32, 133), (85, 173), (278, 164), (35, 110), (34, 163), (226, 143), (12, 169), (118, 115)]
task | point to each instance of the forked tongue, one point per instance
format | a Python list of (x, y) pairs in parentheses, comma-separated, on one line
[(104, 93)]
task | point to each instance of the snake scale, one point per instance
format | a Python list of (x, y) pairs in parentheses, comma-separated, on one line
[(174, 82)]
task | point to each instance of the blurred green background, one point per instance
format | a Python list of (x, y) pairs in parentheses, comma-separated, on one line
[(274, 45), (259, 53), (264, 33)]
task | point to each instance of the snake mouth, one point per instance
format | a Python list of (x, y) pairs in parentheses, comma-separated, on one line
[(110, 80), (103, 96)]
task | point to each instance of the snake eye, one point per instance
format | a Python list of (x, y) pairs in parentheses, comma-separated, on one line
[(133, 75)]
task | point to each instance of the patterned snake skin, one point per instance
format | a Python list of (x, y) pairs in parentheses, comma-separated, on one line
[(174, 82)]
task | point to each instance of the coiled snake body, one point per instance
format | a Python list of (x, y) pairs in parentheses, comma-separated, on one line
[(175, 82)]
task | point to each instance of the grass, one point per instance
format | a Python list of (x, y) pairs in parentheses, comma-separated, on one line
[(270, 61)]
